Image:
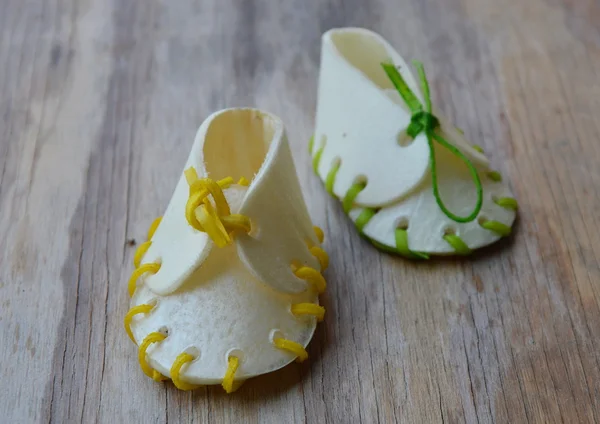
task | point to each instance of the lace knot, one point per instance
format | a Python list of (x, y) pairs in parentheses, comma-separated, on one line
[(422, 121), (215, 220)]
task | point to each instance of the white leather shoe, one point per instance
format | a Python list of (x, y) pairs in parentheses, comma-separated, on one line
[(227, 286), (377, 146)]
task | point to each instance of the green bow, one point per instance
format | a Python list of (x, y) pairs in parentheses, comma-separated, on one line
[(423, 120)]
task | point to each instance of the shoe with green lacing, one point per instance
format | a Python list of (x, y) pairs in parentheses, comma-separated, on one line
[(409, 179)]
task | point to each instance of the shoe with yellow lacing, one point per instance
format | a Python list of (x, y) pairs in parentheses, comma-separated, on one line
[(227, 285)]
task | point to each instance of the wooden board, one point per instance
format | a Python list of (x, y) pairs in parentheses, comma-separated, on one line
[(99, 104)]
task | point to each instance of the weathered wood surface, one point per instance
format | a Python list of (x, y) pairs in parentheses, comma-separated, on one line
[(99, 103)]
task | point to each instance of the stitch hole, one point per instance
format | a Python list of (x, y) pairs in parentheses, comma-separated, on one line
[(159, 262), (153, 302), (192, 350), (322, 141), (403, 139), (295, 265), (449, 231), (402, 224), (361, 180), (234, 352), (275, 334), (254, 230), (494, 176)]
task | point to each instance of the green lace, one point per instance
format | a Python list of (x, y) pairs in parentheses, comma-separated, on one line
[(423, 120)]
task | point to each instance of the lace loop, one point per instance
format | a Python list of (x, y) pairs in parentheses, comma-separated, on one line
[(181, 360), (233, 362), (139, 309), (140, 252), (152, 268), (310, 309), (422, 120), (292, 347), (151, 338), (313, 277)]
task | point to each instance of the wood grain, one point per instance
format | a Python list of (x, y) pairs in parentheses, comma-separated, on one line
[(99, 103)]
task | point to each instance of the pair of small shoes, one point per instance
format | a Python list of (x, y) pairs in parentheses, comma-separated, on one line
[(227, 285)]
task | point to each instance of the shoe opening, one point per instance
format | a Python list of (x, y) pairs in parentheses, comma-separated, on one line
[(237, 142), (364, 51)]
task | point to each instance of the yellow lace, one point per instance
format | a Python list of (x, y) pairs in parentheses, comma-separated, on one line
[(139, 309), (140, 252), (152, 268), (180, 361), (155, 337), (292, 347), (232, 365), (153, 227), (217, 221), (140, 269), (309, 309), (321, 256)]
